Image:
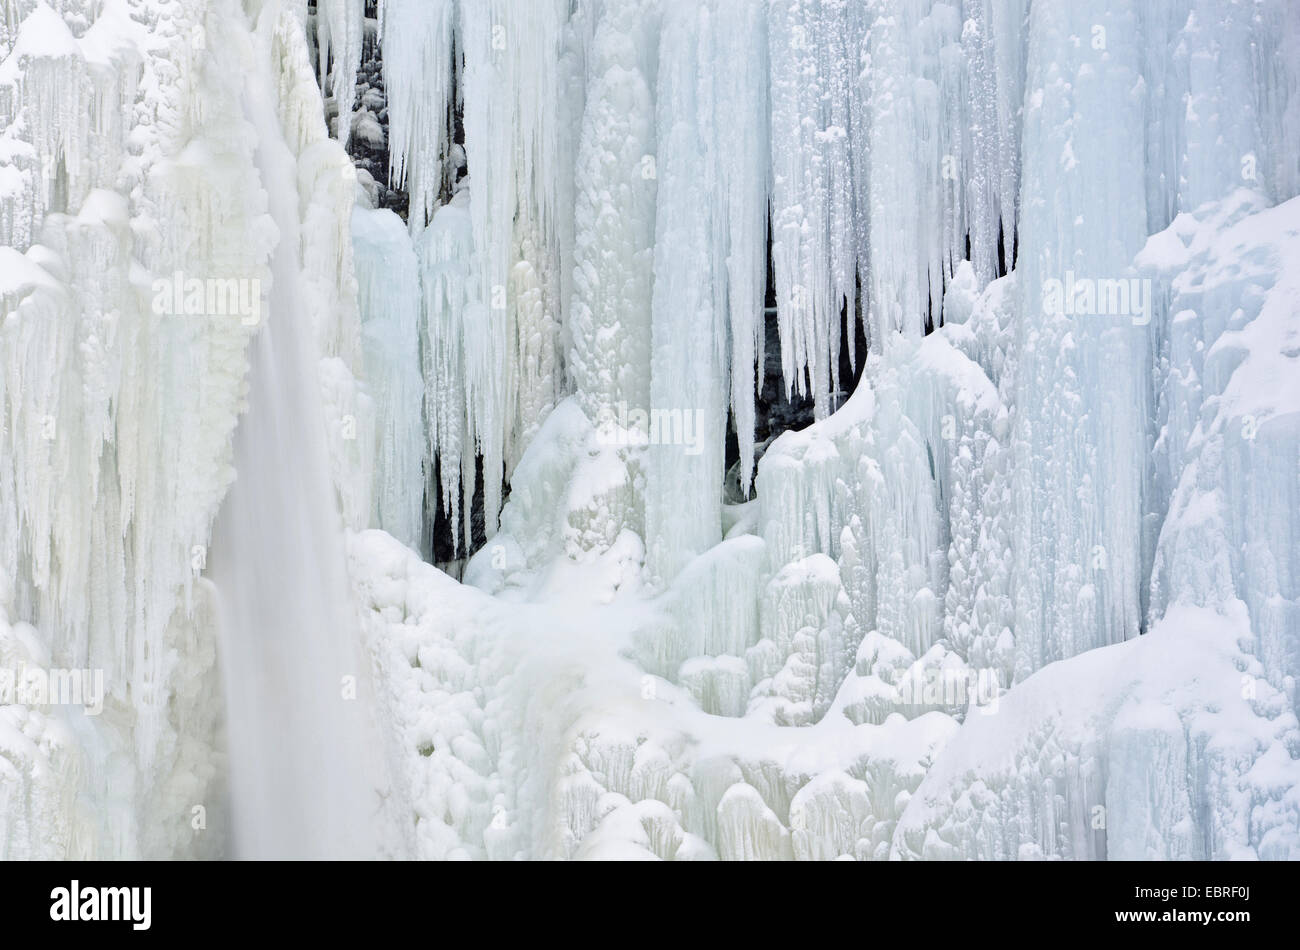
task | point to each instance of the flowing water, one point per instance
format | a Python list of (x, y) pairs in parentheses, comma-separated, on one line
[(301, 760)]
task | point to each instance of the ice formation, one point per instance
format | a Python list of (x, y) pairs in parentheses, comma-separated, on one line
[(130, 181), (388, 293), (1028, 586)]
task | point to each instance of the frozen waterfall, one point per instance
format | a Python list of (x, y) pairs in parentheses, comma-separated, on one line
[(678, 429), (296, 681)]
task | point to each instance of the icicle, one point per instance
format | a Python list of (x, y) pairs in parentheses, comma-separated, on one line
[(813, 254), (511, 87), (993, 41), (738, 153), (915, 90), (340, 29), (417, 63), (449, 295), (44, 83)]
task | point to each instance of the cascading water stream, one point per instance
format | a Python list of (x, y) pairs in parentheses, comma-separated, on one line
[(303, 772)]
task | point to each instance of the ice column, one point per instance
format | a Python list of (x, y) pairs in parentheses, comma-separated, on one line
[(615, 221), (388, 291), (687, 382), (814, 256), (1079, 434), (417, 48)]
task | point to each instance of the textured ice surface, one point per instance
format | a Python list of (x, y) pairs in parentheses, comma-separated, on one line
[(129, 170), (1031, 590), (1033, 484), (388, 292)]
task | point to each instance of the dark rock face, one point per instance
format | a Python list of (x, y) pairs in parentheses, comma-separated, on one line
[(371, 110)]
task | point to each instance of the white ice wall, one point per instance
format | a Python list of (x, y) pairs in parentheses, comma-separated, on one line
[(647, 671), (126, 160), (989, 502)]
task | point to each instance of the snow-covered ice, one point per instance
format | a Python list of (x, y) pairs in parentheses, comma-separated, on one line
[(1026, 585)]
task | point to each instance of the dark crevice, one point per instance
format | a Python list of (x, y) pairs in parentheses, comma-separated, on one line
[(933, 320), (440, 545)]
